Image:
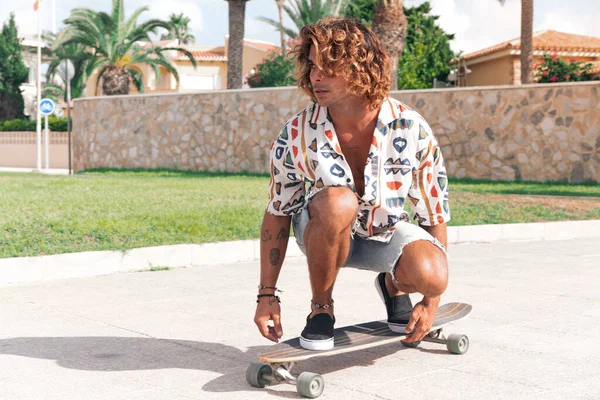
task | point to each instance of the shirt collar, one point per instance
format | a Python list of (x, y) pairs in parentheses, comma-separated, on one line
[(388, 113), (318, 115)]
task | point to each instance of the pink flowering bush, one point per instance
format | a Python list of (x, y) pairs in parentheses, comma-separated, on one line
[(275, 70), (555, 69)]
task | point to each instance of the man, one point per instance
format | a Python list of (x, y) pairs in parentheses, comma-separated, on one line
[(365, 156)]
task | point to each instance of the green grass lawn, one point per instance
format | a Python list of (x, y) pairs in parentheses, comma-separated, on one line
[(41, 214)]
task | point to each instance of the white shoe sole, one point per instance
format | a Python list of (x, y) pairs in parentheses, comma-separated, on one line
[(316, 344)]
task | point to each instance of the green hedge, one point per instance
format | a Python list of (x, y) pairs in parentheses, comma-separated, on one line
[(27, 125)]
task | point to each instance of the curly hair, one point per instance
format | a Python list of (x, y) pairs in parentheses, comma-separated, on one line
[(346, 48)]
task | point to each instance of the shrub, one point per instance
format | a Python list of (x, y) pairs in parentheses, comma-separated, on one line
[(555, 69), (275, 70), (55, 124)]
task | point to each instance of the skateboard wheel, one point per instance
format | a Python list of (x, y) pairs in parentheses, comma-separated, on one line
[(256, 374), (310, 385), (457, 344), (411, 345)]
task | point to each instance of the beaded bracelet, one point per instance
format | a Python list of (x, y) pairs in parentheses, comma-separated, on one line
[(261, 286), (323, 306), (271, 301)]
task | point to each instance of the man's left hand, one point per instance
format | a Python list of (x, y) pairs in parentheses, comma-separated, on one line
[(421, 318)]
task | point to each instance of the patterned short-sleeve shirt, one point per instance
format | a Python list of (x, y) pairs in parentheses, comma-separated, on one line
[(404, 168)]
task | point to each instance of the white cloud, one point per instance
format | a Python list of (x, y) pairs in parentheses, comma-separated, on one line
[(161, 9), (25, 17), (478, 23), (568, 20)]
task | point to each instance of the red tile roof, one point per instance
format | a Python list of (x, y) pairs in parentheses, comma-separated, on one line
[(211, 55), (546, 41), (260, 45), (160, 43)]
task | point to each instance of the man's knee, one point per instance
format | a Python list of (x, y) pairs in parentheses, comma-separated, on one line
[(424, 267), (335, 203), (435, 277)]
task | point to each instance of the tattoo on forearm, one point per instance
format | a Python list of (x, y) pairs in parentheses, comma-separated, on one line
[(265, 236), (274, 256), (283, 234)]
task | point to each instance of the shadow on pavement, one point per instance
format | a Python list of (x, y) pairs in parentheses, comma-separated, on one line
[(98, 353)]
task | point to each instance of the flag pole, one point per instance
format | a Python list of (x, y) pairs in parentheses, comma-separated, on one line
[(39, 88)]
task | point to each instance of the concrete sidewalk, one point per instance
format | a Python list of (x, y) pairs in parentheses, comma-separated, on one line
[(188, 333), (50, 171)]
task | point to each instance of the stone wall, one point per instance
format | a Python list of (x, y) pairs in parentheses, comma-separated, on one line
[(533, 132)]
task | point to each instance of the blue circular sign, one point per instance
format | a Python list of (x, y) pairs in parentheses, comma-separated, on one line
[(47, 106)]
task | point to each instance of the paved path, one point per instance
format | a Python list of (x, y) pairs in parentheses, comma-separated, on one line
[(188, 333), (50, 171)]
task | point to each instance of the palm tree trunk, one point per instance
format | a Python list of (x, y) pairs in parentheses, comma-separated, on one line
[(389, 24), (115, 81), (235, 49), (281, 33), (526, 41)]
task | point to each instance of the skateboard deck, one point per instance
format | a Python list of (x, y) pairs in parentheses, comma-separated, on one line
[(358, 337), (276, 363)]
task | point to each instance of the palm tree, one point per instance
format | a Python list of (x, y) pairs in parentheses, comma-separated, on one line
[(280, 4), (526, 40), (77, 54), (179, 29), (113, 45), (304, 13), (235, 48), (390, 26)]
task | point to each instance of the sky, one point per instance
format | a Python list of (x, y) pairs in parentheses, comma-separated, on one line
[(476, 23)]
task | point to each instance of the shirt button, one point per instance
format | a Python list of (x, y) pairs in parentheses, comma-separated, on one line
[(348, 180)]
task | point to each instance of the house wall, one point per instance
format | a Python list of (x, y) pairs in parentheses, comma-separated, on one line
[(533, 132), (506, 70), (204, 68), (491, 73)]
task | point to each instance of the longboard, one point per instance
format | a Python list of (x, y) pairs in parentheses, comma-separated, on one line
[(275, 364)]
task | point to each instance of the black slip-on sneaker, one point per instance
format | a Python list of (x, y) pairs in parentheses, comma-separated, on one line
[(398, 308), (318, 333)]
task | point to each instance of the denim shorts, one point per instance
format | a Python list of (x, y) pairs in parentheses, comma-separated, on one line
[(371, 255)]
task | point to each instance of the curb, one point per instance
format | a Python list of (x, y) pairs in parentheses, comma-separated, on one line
[(96, 263)]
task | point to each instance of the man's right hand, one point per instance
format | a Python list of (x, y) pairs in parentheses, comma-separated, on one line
[(266, 312)]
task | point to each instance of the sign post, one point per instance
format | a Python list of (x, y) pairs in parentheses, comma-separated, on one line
[(66, 72), (47, 107)]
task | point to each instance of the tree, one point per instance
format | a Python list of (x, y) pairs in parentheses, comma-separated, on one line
[(179, 29), (526, 40), (113, 46), (389, 24), (427, 53), (280, 4), (77, 54), (13, 72), (235, 47), (275, 70), (303, 13), (362, 11)]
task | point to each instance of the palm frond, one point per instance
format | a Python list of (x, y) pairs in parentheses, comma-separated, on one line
[(278, 26), (138, 79), (185, 52), (118, 12), (126, 29)]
